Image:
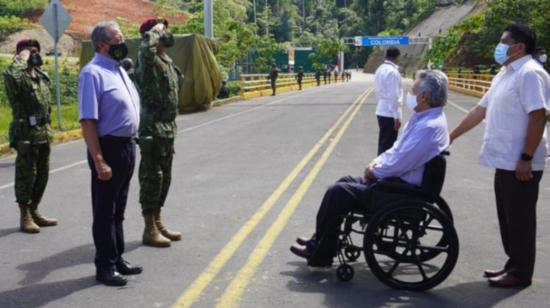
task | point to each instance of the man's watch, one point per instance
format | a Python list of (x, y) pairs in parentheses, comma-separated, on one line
[(526, 157)]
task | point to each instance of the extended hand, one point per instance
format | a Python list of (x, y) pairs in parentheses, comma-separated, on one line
[(524, 171)]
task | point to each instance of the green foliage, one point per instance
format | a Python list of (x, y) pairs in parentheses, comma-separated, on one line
[(234, 88), (11, 24), (21, 7), (443, 47), (487, 27)]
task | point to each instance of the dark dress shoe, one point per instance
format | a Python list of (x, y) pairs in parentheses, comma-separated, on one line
[(300, 251), (304, 241), (126, 268), (111, 278), (508, 280), (493, 273)]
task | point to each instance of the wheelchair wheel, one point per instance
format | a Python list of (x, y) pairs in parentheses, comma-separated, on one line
[(345, 272), (443, 207), (399, 235)]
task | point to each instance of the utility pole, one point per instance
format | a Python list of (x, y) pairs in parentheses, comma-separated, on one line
[(208, 18), (266, 11), (255, 21)]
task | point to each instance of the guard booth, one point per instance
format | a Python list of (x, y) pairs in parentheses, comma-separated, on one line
[(195, 55)]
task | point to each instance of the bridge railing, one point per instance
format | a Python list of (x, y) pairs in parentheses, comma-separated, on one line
[(254, 85), (476, 84)]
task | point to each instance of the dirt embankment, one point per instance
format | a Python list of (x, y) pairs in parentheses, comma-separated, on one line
[(437, 24), (85, 14)]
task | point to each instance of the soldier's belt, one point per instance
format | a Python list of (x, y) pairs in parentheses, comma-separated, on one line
[(36, 120)]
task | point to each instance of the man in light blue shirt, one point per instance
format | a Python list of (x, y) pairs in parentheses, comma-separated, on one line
[(109, 117), (425, 136)]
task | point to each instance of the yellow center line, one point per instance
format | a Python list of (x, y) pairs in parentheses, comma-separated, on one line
[(194, 291), (234, 291)]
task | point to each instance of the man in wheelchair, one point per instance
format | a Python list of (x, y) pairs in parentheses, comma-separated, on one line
[(425, 136)]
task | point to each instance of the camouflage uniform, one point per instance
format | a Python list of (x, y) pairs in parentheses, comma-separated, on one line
[(273, 75), (158, 81), (29, 97), (300, 77)]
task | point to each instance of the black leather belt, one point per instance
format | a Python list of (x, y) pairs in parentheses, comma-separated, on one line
[(118, 139)]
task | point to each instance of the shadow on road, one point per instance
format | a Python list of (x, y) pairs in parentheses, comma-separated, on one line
[(366, 291), (37, 271), (40, 294), (6, 232)]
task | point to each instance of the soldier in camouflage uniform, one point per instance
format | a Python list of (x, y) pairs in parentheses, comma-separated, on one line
[(300, 77), (158, 81), (273, 75), (29, 96)]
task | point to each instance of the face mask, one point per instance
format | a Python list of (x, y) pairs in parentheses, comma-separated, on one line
[(167, 39), (543, 58), (501, 53), (412, 101), (118, 51), (35, 60)]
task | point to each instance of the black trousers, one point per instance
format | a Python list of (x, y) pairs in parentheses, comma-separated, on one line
[(347, 194), (517, 216), (109, 202), (274, 86), (387, 134)]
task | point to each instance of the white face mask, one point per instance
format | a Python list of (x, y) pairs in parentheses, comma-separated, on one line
[(412, 101), (543, 58)]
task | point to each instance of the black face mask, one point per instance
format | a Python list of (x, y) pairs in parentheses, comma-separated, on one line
[(35, 60), (167, 39), (118, 51)]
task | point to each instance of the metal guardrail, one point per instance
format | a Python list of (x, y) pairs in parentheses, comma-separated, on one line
[(470, 83), (254, 85)]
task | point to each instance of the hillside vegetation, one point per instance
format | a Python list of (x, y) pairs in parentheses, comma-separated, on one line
[(472, 41)]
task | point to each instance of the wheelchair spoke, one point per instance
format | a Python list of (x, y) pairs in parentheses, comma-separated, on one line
[(433, 248), (392, 269), (421, 269)]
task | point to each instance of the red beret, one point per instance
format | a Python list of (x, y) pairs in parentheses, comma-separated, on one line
[(22, 44), (150, 23)]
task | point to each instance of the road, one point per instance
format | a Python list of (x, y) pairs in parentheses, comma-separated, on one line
[(248, 178)]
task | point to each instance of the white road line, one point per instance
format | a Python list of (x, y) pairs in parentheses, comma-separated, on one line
[(181, 131), (51, 172), (458, 107)]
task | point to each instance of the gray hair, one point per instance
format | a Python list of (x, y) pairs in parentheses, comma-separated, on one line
[(101, 33), (435, 83)]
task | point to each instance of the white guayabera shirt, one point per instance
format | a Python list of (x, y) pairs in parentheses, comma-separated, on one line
[(389, 90), (518, 89)]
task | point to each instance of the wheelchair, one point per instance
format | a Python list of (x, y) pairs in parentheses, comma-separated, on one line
[(409, 241)]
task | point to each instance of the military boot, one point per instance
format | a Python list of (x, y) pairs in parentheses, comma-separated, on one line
[(39, 219), (171, 235), (151, 234), (26, 224)]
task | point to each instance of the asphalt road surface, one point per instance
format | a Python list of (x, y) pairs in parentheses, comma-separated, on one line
[(248, 178)]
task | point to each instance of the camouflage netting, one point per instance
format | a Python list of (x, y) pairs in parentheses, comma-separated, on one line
[(194, 55)]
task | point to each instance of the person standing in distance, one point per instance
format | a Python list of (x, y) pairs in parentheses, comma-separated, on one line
[(109, 118), (514, 145), (389, 90), (273, 75), (159, 83), (28, 92), (300, 77)]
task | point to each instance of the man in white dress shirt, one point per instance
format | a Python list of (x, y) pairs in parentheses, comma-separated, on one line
[(515, 145), (389, 90)]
